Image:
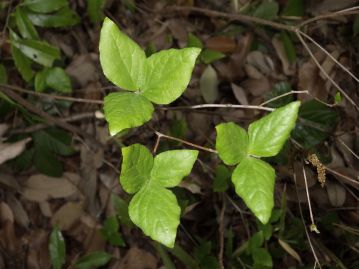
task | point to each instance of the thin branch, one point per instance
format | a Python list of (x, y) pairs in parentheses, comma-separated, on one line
[(184, 142), (299, 35), (356, 182), (349, 149), (50, 119), (283, 95), (50, 96), (330, 56), (308, 198), (218, 106)]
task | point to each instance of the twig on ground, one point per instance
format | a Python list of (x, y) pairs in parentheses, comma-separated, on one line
[(283, 95), (349, 149), (50, 96), (221, 234), (218, 106), (160, 135)]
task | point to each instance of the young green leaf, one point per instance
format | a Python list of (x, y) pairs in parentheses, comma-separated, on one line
[(136, 167), (38, 51), (209, 56), (122, 60), (294, 8), (155, 210), (54, 78), (262, 257), (170, 167), (94, 259), (168, 73), (126, 110), (288, 47), (267, 10), (222, 178), (26, 29), (254, 182), (231, 143), (268, 134), (57, 248), (45, 6), (194, 42), (62, 18)]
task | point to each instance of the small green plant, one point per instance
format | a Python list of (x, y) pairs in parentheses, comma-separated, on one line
[(161, 79)]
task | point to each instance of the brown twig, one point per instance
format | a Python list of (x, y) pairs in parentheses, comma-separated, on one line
[(181, 141), (218, 106), (283, 95), (50, 96), (50, 119)]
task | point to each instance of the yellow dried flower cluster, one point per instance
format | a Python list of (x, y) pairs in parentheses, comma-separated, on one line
[(313, 159)]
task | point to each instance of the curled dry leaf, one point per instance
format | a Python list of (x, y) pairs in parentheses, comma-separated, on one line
[(9, 181), (6, 214), (82, 69), (336, 193), (9, 151), (20, 215), (40, 188), (222, 44), (256, 87), (260, 61)]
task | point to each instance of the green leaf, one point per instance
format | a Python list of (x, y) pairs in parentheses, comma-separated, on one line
[(47, 163), (3, 74), (194, 42), (26, 29), (111, 233), (62, 18), (261, 256), (268, 134), (136, 167), (57, 249), (254, 182), (209, 56), (94, 259), (22, 63), (267, 10), (45, 6), (121, 208), (277, 90), (170, 167), (168, 73), (289, 48), (231, 143), (94, 10), (38, 51), (155, 210), (126, 110), (338, 98), (54, 78), (315, 125), (222, 178), (208, 84), (55, 140), (294, 8), (122, 60)]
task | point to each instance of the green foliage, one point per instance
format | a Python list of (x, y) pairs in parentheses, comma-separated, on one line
[(94, 10), (45, 6), (294, 8), (317, 120), (57, 249), (65, 17), (110, 232), (54, 78), (3, 74), (253, 178), (288, 47), (267, 10), (277, 90), (94, 259), (222, 178), (154, 208), (160, 78)]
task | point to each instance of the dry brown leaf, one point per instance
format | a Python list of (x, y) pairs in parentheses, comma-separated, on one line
[(289, 250), (260, 61), (328, 64), (67, 215), (326, 6), (20, 215), (240, 94), (6, 214), (40, 188), (9, 181), (337, 159), (222, 44), (336, 193), (3, 128), (82, 69), (256, 87), (345, 143), (209, 84), (137, 258), (9, 151), (279, 47), (310, 175)]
